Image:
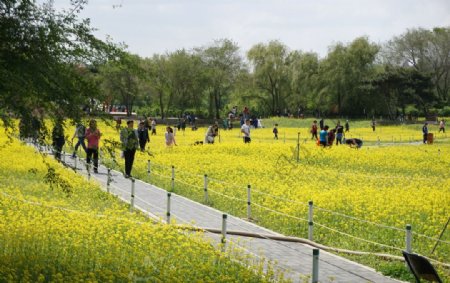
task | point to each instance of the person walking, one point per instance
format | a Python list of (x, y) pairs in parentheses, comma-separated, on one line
[(314, 130), (143, 135), (442, 126), (130, 140), (425, 132), (339, 133), (321, 123), (275, 132), (245, 129), (80, 133), (373, 124), (347, 126), (93, 137), (170, 137), (58, 140), (153, 125)]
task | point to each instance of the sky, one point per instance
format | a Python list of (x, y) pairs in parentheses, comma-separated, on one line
[(150, 27)]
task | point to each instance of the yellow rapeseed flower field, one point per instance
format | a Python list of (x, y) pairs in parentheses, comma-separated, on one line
[(57, 227), (363, 199)]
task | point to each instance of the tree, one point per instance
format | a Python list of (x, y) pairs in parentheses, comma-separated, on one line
[(185, 73), (303, 75), (44, 58), (270, 70), (176, 80), (123, 79), (344, 71), (428, 52), (157, 77), (400, 86), (222, 64)]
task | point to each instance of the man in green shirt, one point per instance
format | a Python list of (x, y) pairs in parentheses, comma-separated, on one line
[(130, 142)]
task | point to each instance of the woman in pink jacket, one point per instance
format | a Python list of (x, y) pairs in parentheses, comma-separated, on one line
[(92, 137)]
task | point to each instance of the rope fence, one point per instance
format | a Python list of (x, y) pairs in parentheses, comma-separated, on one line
[(259, 191), (207, 189)]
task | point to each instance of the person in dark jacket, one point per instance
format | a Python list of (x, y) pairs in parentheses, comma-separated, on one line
[(143, 135), (58, 140), (130, 142), (425, 132)]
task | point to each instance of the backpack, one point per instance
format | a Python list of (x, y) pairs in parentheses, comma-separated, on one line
[(81, 131)]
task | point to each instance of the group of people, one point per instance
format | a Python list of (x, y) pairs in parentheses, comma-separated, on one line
[(133, 139), (327, 136), (88, 138), (425, 130), (91, 135)]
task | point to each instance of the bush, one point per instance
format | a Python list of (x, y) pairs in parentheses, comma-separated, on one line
[(445, 112)]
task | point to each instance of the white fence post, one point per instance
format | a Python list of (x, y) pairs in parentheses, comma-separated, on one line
[(224, 231), (173, 178), (132, 195), (168, 208), (108, 180), (315, 269), (249, 202), (310, 221), (408, 238), (205, 188)]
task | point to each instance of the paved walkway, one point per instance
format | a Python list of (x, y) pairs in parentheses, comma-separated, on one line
[(294, 259)]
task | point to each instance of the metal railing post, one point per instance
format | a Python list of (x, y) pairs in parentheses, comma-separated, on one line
[(224, 231), (168, 208), (173, 178), (205, 188), (310, 221), (108, 180), (315, 269), (132, 195), (249, 202), (408, 238)]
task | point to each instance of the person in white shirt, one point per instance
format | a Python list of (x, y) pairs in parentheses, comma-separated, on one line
[(211, 134), (170, 137), (442, 126), (245, 129)]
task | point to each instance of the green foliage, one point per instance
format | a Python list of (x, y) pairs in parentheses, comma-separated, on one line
[(45, 58), (445, 111), (427, 51), (52, 65), (270, 72)]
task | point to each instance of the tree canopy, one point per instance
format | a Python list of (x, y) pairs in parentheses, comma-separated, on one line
[(46, 58), (51, 64)]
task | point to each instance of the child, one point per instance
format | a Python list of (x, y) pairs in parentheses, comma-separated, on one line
[(275, 131)]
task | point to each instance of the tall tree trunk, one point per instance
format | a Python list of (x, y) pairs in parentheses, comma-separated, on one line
[(217, 103), (161, 104)]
